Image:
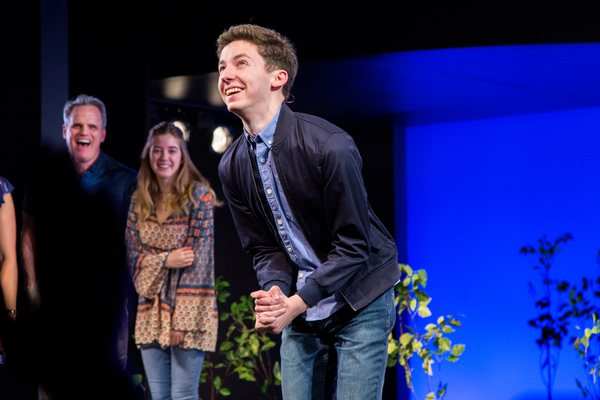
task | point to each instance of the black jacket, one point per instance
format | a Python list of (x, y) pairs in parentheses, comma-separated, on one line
[(319, 168)]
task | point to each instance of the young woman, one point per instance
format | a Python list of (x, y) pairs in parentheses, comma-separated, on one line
[(169, 237)]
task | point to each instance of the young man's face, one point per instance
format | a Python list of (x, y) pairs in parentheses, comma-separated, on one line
[(244, 83), (84, 134)]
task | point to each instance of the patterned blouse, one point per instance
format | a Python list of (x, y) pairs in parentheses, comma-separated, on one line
[(180, 299)]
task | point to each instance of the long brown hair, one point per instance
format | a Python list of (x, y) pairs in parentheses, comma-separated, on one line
[(148, 191)]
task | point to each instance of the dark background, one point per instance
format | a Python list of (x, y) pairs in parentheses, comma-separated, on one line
[(115, 49)]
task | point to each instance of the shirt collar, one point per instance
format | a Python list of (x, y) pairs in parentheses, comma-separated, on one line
[(266, 135), (97, 165)]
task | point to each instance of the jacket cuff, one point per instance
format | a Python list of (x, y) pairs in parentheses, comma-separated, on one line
[(282, 285), (311, 292)]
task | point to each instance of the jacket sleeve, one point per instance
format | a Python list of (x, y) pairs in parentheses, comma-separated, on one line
[(347, 218), (146, 265), (272, 265)]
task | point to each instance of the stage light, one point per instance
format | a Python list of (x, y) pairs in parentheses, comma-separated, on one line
[(176, 88), (185, 128), (221, 139)]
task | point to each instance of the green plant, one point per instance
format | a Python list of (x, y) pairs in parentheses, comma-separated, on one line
[(588, 345), (553, 312), (430, 345), (588, 352), (244, 352), (556, 315)]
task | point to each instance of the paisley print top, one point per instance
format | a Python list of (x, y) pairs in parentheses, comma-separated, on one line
[(180, 299)]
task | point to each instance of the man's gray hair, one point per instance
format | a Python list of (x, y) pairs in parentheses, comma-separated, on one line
[(84, 100)]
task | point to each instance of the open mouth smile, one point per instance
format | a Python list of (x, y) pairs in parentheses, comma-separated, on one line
[(231, 91)]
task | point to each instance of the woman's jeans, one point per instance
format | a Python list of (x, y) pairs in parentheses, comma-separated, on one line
[(343, 355), (173, 373)]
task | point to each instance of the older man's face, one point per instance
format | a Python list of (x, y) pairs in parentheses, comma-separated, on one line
[(84, 134)]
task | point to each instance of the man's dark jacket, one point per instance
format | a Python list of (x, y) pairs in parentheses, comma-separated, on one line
[(320, 171)]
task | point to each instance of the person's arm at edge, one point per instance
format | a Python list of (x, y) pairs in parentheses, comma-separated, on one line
[(9, 271), (28, 250)]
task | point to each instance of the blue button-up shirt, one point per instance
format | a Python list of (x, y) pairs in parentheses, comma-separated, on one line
[(293, 239)]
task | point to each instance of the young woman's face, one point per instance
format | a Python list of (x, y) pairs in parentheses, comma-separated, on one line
[(165, 157)]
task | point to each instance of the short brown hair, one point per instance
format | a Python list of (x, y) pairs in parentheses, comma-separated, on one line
[(276, 50)]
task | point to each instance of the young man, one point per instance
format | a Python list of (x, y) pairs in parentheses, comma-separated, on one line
[(325, 263)]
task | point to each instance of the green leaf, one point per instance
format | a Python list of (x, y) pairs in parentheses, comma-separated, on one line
[(406, 339), (424, 312), (458, 349), (412, 304), (225, 392), (277, 373), (265, 386), (421, 296), (447, 329), (431, 327), (423, 274), (427, 366), (443, 343), (415, 280), (225, 346), (137, 379), (222, 298), (406, 269)]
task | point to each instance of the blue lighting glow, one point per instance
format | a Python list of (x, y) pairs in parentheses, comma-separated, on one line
[(501, 150)]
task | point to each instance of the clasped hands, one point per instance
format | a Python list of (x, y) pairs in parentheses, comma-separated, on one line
[(274, 310)]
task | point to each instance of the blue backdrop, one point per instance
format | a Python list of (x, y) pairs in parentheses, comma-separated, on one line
[(477, 191)]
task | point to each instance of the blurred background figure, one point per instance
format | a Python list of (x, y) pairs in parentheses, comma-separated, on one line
[(73, 251)]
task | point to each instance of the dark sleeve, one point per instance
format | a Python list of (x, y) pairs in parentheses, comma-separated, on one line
[(347, 214)]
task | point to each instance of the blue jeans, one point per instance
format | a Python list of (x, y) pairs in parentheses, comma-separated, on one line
[(173, 373), (343, 356)]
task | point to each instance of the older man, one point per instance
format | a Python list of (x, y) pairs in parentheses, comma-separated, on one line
[(72, 243)]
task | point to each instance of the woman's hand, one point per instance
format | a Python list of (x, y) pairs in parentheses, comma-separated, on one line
[(180, 258), (175, 338)]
